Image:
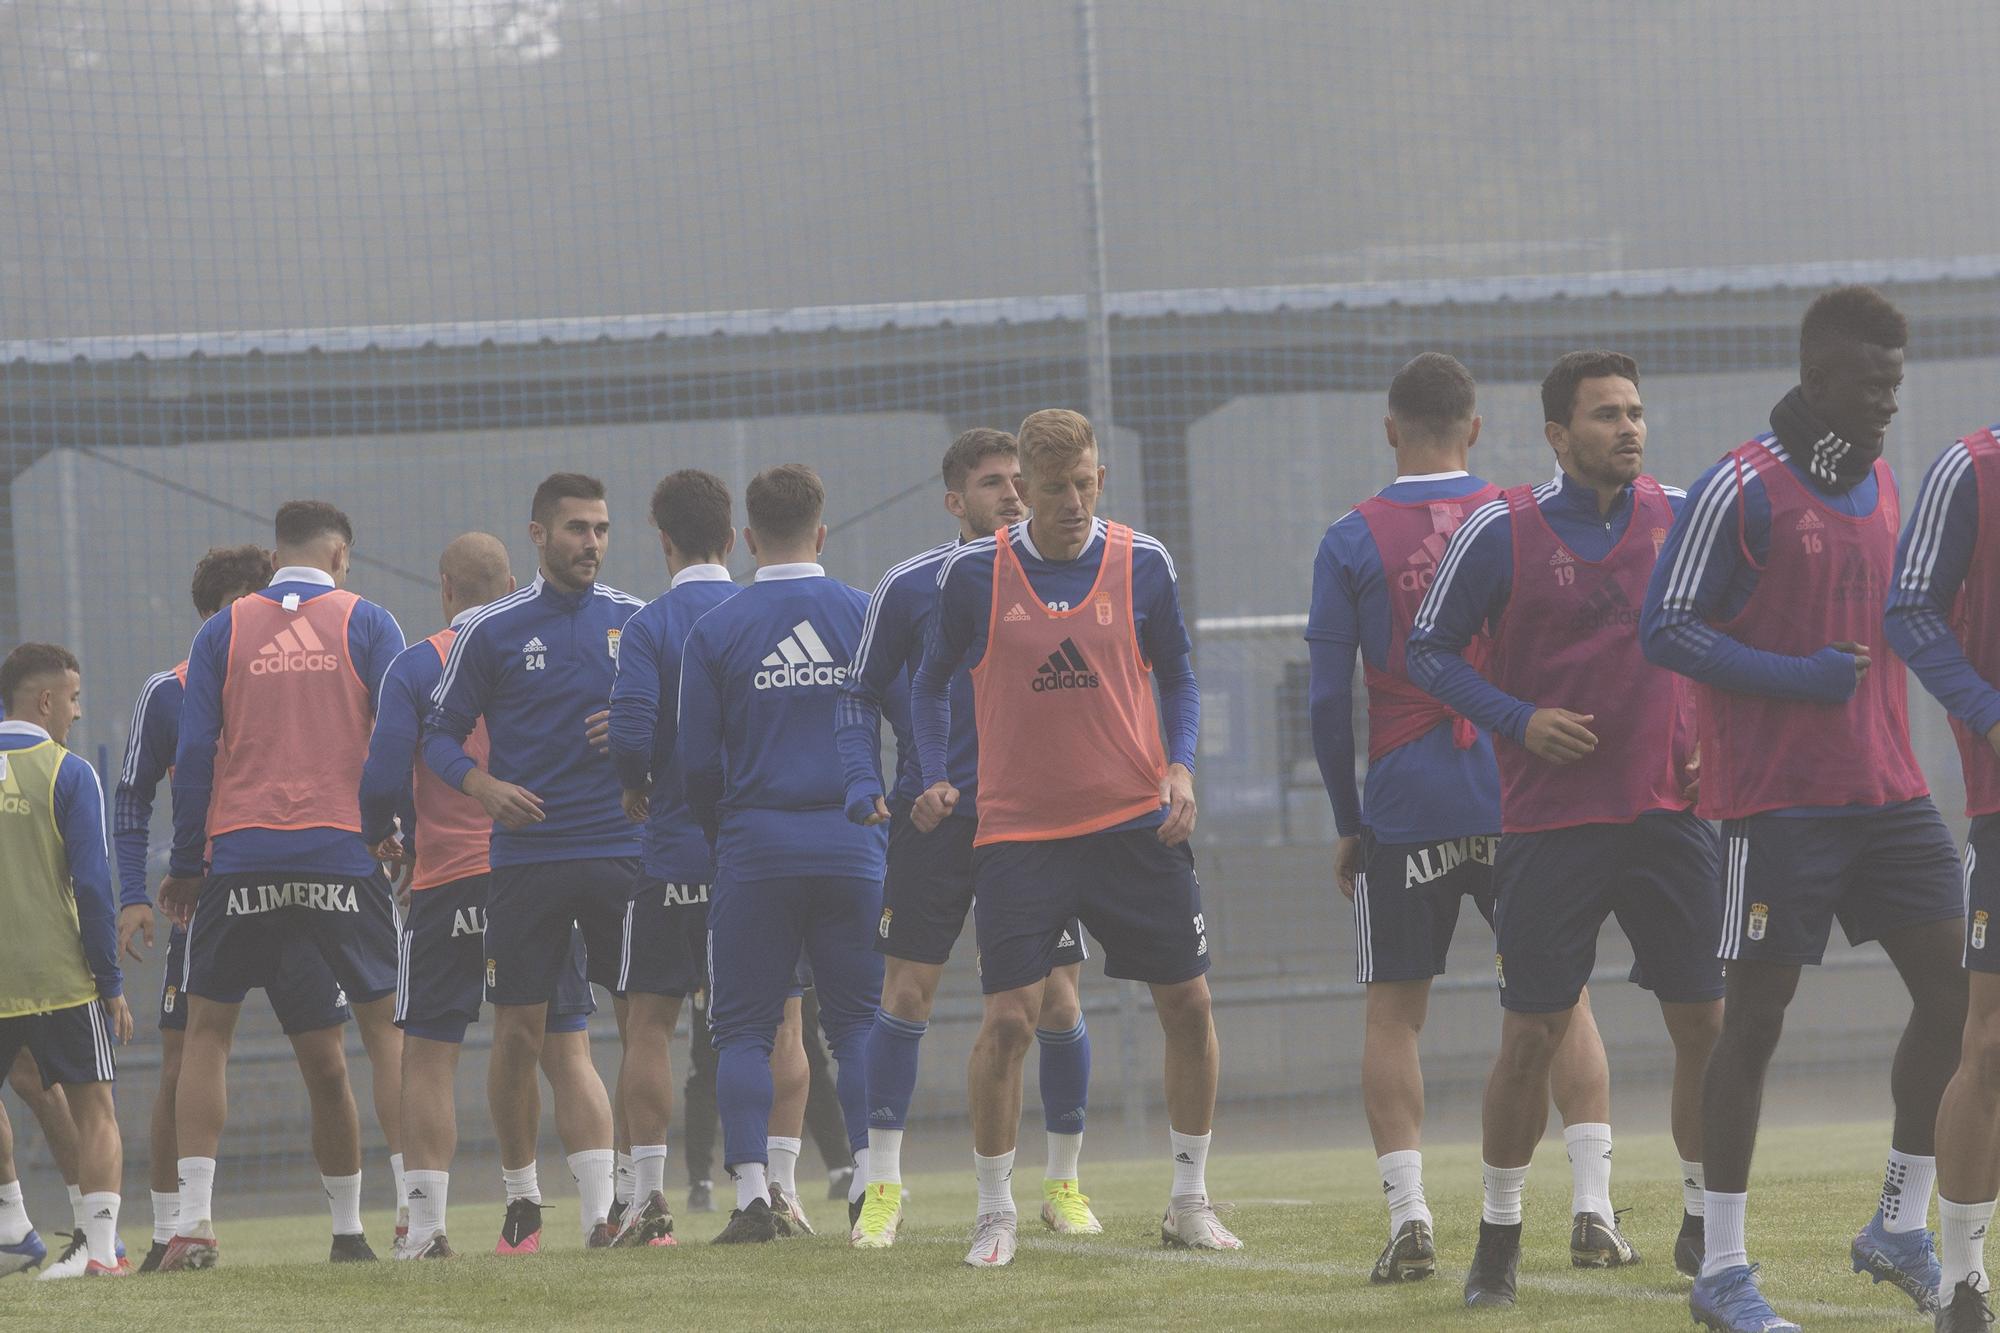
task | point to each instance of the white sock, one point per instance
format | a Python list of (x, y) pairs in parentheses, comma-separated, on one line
[(1589, 1148), (100, 1227), (624, 1178), (784, 1163), (1190, 1163), (343, 1198), (197, 1176), (1962, 1245), (1722, 1229), (996, 1182), (1064, 1149), (402, 1190), (591, 1169), (885, 1156), (166, 1215), (857, 1183), (752, 1183), (649, 1172), (1906, 1191), (1502, 1202), (1403, 1187), (76, 1208), (521, 1182), (14, 1225), (425, 1194), (1693, 1181)]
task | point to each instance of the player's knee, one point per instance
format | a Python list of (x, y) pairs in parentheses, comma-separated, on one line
[(1528, 1041), (1184, 1009), (1008, 1027), (1694, 1027), (907, 992), (1062, 1007)]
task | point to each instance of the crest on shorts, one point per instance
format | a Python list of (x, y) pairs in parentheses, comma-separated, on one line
[(491, 967), (1979, 930), (167, 1000), (611, 642), (1760, 916), (1500, 970), (1104, 608), (883, 928)]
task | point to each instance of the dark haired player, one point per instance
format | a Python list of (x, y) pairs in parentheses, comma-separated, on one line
[(1770, 593), (1594, 747), (929, 887), (1432, 813), (302, 990), (280, 697)]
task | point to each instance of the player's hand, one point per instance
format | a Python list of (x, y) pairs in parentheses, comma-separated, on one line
[(1347, 864), (938, 800), (505, 804), (1859, 652), (389, 851), (1692, 792), (177, 896), (120, 1014), (132, 921), (638, 804), (597, 731), (870, 811), (1560, 736), (1177, 794)]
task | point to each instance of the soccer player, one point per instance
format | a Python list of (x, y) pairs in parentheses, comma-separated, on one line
[(758, 763), (1944, 620), (1430, 827), (442, 962), (1083, 814), (691, 509), (302, 990), (535, 665), (51, 1112), (61, 991), (279, 699), (1769, 593), (929, 887), (1593, 745)]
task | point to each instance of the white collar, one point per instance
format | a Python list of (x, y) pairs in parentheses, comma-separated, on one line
[(702, 573), (1028, 542), (804, 569), (302, 574), (1433, 476), (16, 727), (465, 615)]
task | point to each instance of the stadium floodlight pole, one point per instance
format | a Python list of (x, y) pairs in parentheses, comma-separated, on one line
[(1097, 326)]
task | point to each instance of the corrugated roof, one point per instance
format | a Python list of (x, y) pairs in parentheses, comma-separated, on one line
[(997, 312)]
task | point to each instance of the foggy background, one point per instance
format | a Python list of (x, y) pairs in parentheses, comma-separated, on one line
[(412, 255)]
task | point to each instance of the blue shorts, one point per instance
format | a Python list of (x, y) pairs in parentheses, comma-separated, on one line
[(764, 934), (243, 923), (1137, 895), (929, 891), (441, 964), (1982, 894), (1406, 903), (1790, 876), (1660, 875), (71, 1045), (656, 959), (303, 994), (530, 910)]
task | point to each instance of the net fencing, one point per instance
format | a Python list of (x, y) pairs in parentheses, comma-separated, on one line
[(412, 255)]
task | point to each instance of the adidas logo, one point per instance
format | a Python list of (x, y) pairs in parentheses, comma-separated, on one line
[(104, 1215), (417, 1192), (1808, 522), (1016, 612), (1184, 1159), (1065, 670), (1606, 608), (1562, 557), (801, 658), (883, 1113), (294, 649), (535, 645), (1420, 569), (1068, 941), (1076, 1114)]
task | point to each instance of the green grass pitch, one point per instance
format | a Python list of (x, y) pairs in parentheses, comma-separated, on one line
[(1312, 1222)]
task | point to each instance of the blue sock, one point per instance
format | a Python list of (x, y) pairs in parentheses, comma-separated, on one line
[(849, 1048), (1065, 1078), (892, 1069), (743, 1097)]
